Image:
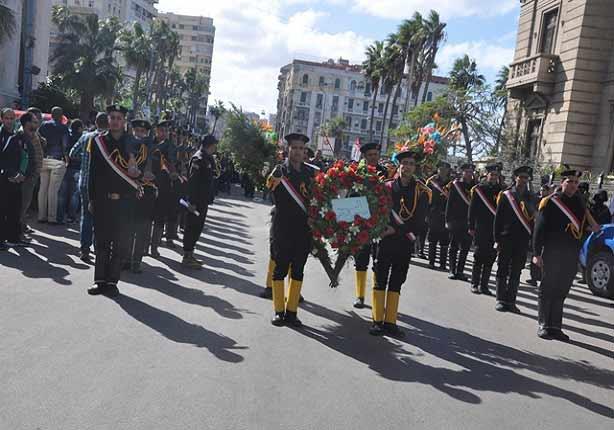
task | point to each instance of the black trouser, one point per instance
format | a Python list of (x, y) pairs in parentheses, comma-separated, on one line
[(483, 257), (291, 251), (560, 265), (193, 228), (361, 260), (392, 263), (112, 232), (166, 209), (511, 260), (460, 242), (441, 237), (10, 210), (143, 218)]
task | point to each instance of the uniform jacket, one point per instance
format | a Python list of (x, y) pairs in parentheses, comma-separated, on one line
[(437, 207), (552, 227), (507, 224), (411, 204), (456, 208), (480, 216), (200, 179)]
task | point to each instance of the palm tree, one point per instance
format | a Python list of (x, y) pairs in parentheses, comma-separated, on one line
[(372, 68), (411, 36), (464, 74), (334, 128), (217, 111), (135, 45), (7, 22), (196, 85), (392, 67), (84, 58), (435, 36), (500, 95)]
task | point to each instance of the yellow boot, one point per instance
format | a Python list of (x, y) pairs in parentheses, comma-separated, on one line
[(278, 302), (361, 286), (390, 318), (377, 309), (268, 291), (294, 294)]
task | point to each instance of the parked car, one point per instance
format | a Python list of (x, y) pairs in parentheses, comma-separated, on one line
[(597, 261)]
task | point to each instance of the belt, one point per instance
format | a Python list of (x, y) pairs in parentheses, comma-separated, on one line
[(55, 157), (114, 196)]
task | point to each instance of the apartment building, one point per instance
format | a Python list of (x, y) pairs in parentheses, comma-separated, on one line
[(561, 84), (312, 93)]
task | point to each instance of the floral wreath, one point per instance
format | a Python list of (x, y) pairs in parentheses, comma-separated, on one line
[(347, 238)]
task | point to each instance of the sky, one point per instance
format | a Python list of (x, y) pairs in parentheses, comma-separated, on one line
[(255, 38)]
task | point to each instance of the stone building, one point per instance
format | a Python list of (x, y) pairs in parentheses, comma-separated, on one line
[(561, 83), (311, 93)]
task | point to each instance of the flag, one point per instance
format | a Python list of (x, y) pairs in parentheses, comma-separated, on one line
[(356, 150)]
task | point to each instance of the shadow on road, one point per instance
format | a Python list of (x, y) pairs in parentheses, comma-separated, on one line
[(485, 366), (181, 331), (34, 267)]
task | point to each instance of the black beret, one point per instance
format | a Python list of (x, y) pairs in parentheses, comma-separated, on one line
[(467, 166), (164, 124), (143, 123), (408, 153), (209, 140), (523, 170), (116, 108), (369, 146), (444, 164), (296, 136), (571, 172), (493, 168)]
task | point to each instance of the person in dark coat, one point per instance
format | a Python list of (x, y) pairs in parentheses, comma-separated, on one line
[(457, 223), (438, 234)]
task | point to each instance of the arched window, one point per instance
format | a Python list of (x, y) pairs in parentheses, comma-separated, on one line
[(337, 84), (305, 79), (321, 83), (353, 86)]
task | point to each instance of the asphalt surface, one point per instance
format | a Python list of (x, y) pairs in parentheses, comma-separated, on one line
[(195, 349)]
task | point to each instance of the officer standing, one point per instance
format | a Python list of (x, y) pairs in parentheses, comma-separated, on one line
[(290, 184), (438, 233), (410, 199), (516, 208), (371, 154), (199, 196), (111, 192), (481, 218), (560, 223), (456, 221)]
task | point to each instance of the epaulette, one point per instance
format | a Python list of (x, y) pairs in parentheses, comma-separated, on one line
[(499, 197), (472, 190), (543, 202), (425, 189), (428, 181)]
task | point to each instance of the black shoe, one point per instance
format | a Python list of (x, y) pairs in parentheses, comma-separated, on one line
[(394, 330), (97, 289), (443, 268), (432, 266), (423, 256), (278, 319), (17, 244), (377, 329), (359, 302), (501, 307), (291, 319), (461, 277), (136, 268), (475, 289), (514, 309), (485, 291), (111, 290), (28, 230), (85, 257), (126, 266), (154, 253), (531, 282), (559, 335), (3, 246), (453, 276), (301, 299), (544, 333), (267, 293)]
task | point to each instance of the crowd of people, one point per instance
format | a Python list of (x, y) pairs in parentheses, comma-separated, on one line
[(131, 183)]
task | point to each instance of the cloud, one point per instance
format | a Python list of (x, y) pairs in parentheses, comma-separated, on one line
[(447, 8), (253, 41), (487, 55)]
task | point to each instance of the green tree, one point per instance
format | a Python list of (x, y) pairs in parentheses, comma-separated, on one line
[(464, 74), (7, 22), (435, 36), (500, 95), (217, 111), (372, 68), (84, 59), (50, 94), (334, 127), (411, 36), (135, 46)]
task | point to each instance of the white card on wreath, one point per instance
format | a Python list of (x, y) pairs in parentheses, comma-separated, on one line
[(346, 209)]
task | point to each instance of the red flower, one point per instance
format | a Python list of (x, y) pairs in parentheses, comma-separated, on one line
[(340, 237), (383, 210), (334, 245), (317, 234), (373, 179), (363, 237), (329, 232), (343, 225), (383, 200), (358, 220), (378, 189), (313, 211), (330, 216), (371, 169)]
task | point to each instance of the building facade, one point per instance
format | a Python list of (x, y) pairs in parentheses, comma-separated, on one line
[(561, 84), (312, 93), (14, 50)]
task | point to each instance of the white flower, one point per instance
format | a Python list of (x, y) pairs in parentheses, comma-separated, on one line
[(354, 229), (314, 202)]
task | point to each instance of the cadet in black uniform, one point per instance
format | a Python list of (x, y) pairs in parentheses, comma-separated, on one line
[(560, 223), (111, 192), (290, 184), (516, 209), (200, 195), (371, 154), (456, 221), (438, 233), (410, 200), (481, 219)]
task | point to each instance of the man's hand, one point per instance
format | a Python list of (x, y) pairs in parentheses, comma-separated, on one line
[(17, 179), (471, 232), (538, 261), (148, 176)]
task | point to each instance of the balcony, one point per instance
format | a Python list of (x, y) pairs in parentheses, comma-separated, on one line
[(535, 74)]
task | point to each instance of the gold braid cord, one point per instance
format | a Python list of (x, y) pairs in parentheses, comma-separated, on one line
[(405, 213)]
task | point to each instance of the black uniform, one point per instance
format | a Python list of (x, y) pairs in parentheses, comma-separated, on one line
[(12, 149), (481, 220), (164, 158), (112, 198), (513, 243), (457, 222), (200, 193), (558, 241), (411, 204), (142, 212), (438, 233)]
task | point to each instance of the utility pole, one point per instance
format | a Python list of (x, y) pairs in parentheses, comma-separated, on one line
[(27, 40)]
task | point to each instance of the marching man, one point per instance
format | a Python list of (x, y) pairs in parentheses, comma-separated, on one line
[(410, 199), (438, 233), (456, 221)]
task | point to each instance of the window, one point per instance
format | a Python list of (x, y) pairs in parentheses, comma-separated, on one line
[(429, 96), (317, 118), (321, 83), (181, 26), (303, 97), (380, 108), (335, 105), (305, 79), (353, 86), (365, 106), (337, 84), (348, 121), (350, 104), (378, 125), (368, 89), (319, 101), (393, 125), (533, 135), (395, 109), (549, 31), (363, 124)]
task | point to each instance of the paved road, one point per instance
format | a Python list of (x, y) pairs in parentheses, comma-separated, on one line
[(195, 350)]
